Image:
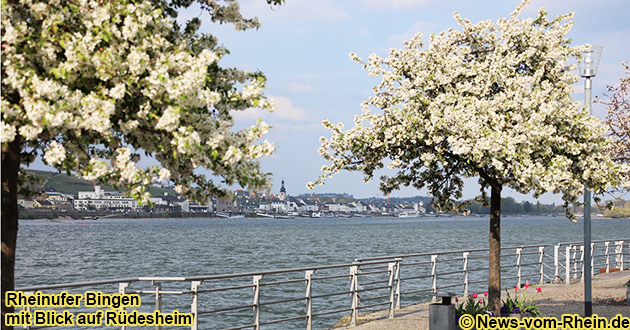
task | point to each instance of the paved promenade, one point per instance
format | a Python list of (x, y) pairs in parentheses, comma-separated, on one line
[(609, 299)]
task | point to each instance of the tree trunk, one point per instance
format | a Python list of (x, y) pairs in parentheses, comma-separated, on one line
[(494, 272), (10, 169)]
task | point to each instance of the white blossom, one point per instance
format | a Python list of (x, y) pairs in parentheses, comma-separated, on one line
[(30, 132), (97, 169), (252, 92), (169, 120), (55, 154), (118, 91), (137, 61), (7, 132), (164, 174)]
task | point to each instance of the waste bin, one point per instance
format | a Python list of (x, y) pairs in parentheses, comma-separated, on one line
[(442, 314)]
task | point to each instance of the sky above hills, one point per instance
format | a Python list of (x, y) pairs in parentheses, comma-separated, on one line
[(302, 47)]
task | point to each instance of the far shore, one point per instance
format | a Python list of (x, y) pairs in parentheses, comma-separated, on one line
[(65, 219)]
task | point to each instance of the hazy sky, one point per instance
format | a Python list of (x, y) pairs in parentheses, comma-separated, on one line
[(302, 47)]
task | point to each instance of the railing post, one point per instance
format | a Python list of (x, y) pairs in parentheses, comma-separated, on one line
[(309, 299), (158, 300), (556, 262), (354, 287), (619, 254), (518, 267), (28, 309), (465, 256), (575, 262), (541, 253), (122, 289), (398, 283), (607, 244), (391, 269), (194, 306), (567, 262), (256, 282), (434, 276)]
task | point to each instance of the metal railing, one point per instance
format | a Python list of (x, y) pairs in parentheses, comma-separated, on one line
[(451, 269), (569, 258), (298, 297)]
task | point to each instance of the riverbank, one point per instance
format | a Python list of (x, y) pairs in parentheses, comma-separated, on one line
[(609, 299), (37, 214)]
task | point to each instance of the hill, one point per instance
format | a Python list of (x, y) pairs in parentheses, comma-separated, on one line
[(72, 185)]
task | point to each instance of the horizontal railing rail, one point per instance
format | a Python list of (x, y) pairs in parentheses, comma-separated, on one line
[(304, 295)]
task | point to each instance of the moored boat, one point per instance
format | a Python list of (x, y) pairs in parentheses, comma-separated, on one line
[(408, 215)]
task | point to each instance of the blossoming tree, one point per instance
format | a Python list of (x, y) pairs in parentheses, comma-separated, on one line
[(491, 101), (618, 121), (91, 84)]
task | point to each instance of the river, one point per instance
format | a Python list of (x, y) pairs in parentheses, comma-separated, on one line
[(76, 251)]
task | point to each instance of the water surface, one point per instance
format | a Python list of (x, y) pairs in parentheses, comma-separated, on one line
[(52, 253)]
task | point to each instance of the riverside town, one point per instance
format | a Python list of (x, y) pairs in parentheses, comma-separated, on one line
[(57, 202)]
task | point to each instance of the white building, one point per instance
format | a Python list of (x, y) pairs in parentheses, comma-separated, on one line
[(25, 203), (278, 206), (359, 207), (57, 196), (338, 208), (188, 206), (308, 206), (96, 194), (100, 199), (158, 201)]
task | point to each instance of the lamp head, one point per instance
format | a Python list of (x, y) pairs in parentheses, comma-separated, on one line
[(590, 61)]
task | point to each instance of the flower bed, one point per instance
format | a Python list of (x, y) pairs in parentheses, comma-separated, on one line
[(520, 304)]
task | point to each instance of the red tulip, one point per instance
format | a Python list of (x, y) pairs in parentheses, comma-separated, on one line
[(475, 295), (515, 288), (538, 290), (457, 300), (527, 284), (485, 294)]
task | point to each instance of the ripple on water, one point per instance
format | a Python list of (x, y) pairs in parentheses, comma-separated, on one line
[(49, 253)]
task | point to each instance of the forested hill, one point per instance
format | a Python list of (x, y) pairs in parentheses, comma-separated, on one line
[(511, 206), (61, 182)]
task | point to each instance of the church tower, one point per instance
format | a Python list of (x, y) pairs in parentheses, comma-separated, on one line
[(283, 192)]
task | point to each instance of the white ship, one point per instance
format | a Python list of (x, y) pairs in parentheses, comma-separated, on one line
[(408, 215), (323, 215)]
